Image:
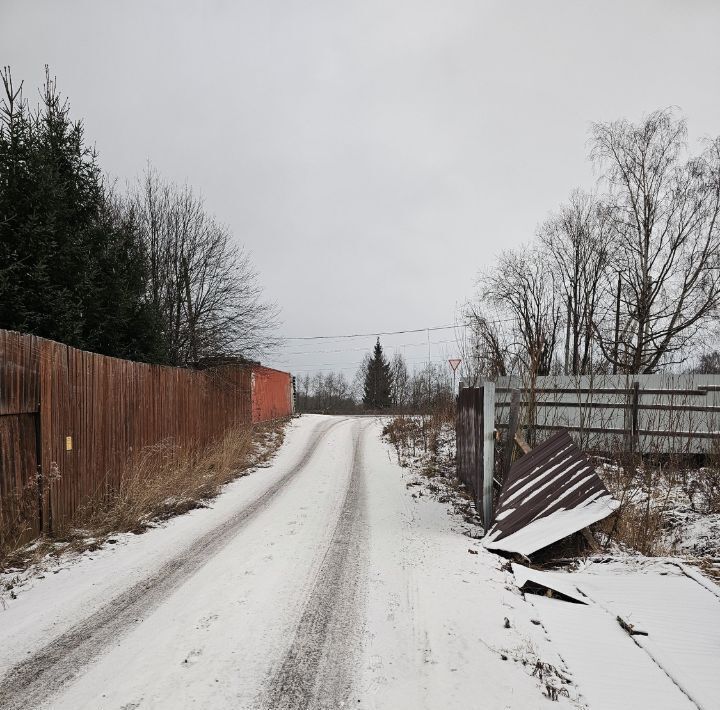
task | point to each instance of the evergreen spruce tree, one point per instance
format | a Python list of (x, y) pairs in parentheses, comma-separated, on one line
[(70, 268), (377, 388)]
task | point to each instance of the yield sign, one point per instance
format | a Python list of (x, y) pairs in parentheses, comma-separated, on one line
[(454, 362)]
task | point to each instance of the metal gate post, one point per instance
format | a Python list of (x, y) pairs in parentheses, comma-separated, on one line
[(488, 435)]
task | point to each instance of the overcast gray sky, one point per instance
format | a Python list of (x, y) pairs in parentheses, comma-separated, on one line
[(373, 156)]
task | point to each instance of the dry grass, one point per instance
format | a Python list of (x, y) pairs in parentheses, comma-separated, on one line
[(18, 520), (412, 435), (656, 498), (165, 480), (637, 523)]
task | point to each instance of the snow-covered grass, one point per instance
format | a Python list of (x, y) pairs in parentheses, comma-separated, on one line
[(489, 636), (165, 481), (601, 665), (425, 445), (666, 510)]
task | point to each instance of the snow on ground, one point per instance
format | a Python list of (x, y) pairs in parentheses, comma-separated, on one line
[(338, 578), (340, 588), (671, 662), (446, 625), (675, 664), (51, 597), (691, 525)]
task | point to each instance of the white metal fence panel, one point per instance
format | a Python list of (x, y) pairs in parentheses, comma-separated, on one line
[(649, 413)]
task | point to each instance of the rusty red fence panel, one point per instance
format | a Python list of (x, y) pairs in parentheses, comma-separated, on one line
[(271, 394), (18, 472), (19, 415), (88, 415)]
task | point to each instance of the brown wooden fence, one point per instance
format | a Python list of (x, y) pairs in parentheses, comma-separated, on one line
[(74, 420)]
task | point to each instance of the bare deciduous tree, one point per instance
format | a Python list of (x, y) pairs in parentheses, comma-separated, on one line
[(399, 391), (488, 347), (202, 285), (578, 242), (709, 363), (430, 388), (664, 211), (329, 393), (521, 290)]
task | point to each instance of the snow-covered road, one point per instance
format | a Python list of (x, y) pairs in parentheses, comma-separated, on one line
[(321, 581)]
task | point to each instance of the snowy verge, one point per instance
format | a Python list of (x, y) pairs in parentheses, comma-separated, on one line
[(670, 668), (48, 555), (49, 597), (477, 634)]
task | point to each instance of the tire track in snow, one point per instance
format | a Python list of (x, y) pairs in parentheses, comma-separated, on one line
[(33, 681), (318, 669)]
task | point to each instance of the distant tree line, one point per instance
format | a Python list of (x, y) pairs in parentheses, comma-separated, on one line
[(378, 385), (325, 393), (622, 280), (147, 274)]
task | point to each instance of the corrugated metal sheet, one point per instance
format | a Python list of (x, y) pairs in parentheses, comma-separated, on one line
[(18, 470), (674, 666), (469, 436), (19, 412), (113, 409), (548, 494)]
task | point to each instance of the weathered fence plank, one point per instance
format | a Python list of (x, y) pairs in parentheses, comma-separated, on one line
[(513, 423)]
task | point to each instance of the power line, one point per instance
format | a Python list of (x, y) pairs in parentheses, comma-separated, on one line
[(395, 332), (354, 366), (347, 350), (414, 361), (370, 335)]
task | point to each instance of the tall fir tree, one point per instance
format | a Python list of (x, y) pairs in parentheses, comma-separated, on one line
[(377, 390), (71, 269)]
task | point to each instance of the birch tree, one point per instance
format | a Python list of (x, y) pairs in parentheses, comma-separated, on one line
[(664, 214), (578, 241)]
